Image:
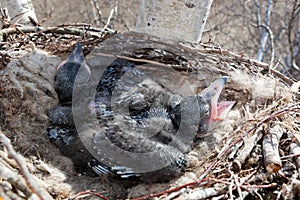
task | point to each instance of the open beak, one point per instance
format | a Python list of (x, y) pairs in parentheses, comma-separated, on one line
[(76, 56), (219, 110)]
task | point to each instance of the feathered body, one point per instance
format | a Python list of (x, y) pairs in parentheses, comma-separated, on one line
[(137, 118)]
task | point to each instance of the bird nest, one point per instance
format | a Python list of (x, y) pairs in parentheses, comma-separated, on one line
[(252, 153)]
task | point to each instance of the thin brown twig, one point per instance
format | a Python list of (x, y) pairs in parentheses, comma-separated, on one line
[(221, 155), (89, 192), (290, 156), (271, 185), (61, 29), (30, 181), (244, 186), (204, 181), (168, 191)]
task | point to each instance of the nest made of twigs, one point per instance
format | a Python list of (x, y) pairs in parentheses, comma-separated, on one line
[(254, 152)]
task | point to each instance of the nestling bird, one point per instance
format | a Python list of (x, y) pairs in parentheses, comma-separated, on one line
[(155, 123), (66, 74)]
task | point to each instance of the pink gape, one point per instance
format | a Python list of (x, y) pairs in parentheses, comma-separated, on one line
[(219, 110)]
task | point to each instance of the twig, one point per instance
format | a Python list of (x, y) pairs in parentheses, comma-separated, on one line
[(249, 143), (168, 191), (97, 13), (270, 149), (271, 185), (30, 181), (238, 185), (291, 155), (110, 17), (61, 29), (246, 60), (290, 108), (89, 192), (8, 172), (205, 193)]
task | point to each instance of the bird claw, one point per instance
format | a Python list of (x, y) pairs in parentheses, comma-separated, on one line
[(101, 169), (124, 172), (98, 167)]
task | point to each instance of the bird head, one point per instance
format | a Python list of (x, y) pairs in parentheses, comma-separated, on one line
[(218, 110), (76, 57), (67, 72)]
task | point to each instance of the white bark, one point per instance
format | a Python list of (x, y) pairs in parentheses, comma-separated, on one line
[(20, 11), (264, 33), (174, 19)]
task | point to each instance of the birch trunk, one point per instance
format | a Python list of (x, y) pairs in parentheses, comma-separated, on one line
[(20, 11), (174, 19)]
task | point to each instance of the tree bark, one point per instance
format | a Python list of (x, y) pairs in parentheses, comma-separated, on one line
[(20, 12), (174, 19)]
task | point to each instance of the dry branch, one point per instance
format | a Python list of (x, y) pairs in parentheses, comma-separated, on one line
[(87, 193), (270, 149), (7, 173), (249, 143), (30, 180), (85, 30)]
